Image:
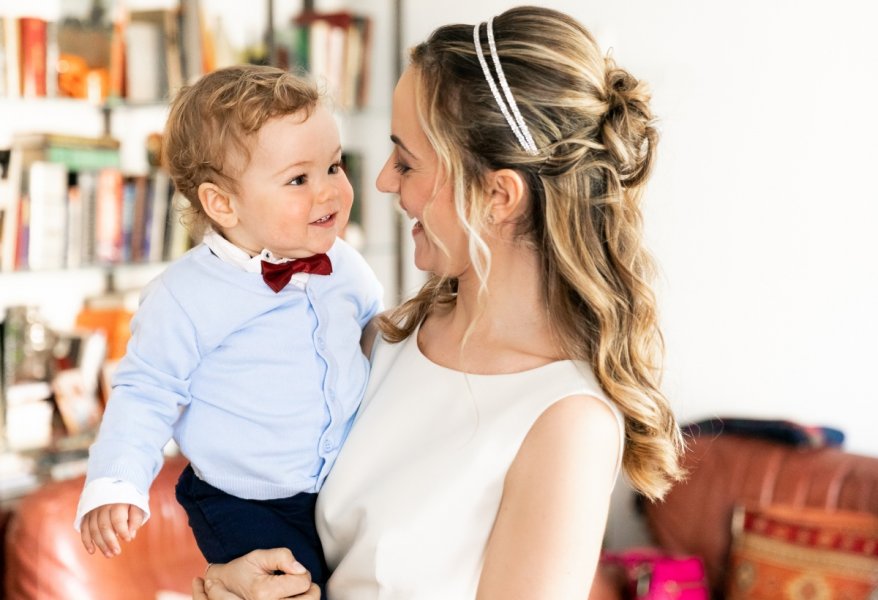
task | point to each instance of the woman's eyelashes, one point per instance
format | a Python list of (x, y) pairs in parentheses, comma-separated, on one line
[(401, 167)]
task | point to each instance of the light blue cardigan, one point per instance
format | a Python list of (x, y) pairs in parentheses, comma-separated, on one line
[(258, 389)]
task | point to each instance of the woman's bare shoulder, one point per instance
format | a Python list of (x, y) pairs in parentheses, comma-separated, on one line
[(576, 432)]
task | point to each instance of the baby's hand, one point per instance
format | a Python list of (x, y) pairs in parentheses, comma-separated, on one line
[(103, 526)]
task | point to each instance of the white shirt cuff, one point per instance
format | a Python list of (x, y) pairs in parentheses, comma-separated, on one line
[(106, 490)]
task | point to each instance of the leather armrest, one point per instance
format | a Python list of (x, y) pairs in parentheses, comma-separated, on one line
[(45, 558)]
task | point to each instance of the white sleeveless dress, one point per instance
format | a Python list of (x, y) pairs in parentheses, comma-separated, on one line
[(407, 510)]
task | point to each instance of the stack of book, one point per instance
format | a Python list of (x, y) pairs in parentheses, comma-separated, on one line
[(65, 203), (142, 56), (334, 48)]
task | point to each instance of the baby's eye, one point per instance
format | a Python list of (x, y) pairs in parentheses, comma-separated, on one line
[(335, 169), (300, 180)]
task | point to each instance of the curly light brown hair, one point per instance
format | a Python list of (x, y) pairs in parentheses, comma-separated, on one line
[(212, 124)]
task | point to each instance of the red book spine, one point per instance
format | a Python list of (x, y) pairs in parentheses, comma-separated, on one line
[(33, 56)]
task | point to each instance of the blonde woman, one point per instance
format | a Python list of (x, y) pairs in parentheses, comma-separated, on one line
[(506, 396)]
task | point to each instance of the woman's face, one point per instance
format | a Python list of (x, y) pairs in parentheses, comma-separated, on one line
[(412, 172)]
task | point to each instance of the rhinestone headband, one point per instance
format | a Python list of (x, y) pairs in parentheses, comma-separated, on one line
[(514, 118)]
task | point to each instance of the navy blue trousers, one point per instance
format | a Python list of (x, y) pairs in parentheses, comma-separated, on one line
[(227, 527)]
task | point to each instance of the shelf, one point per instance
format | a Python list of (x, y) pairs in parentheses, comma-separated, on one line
[(60, 293), (129, 123), (57, 115)]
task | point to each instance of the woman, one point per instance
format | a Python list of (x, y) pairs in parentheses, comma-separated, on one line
[(505, 396)]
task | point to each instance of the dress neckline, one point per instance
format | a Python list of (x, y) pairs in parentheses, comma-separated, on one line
[(414, 338)]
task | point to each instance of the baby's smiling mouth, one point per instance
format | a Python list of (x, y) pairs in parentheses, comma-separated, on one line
[(324, 219)]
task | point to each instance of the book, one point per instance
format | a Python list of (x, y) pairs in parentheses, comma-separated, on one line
[(47, 226), (22, 227), (89, 154), (5, 191), (145, 57), (53, 56), (173, 52), (117, 61), (2, 58), (75, 153), (160, 192), (12, 52), (191, 44), (86, 182), (334, 48), (127, 218), (13, 239), (33, 41), (108, 216), (75, 231), (140, 185)]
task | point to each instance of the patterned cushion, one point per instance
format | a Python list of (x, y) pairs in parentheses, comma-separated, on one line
[(787, 553)]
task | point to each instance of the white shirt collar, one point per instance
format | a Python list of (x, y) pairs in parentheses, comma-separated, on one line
[(229, 253)]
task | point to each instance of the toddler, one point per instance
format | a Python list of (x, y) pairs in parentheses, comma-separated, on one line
[(246, 349)]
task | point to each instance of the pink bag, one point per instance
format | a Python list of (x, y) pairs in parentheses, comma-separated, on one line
[(653, 575)]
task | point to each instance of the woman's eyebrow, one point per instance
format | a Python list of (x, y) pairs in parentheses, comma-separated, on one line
[(399, 143)]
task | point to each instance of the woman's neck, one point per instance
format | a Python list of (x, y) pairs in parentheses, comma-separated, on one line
[(503, 329)]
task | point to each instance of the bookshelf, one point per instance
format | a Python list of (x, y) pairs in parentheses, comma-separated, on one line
[(57, 291)]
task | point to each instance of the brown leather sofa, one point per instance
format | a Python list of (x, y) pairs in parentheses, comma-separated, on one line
[(45, 559), (726, 470)]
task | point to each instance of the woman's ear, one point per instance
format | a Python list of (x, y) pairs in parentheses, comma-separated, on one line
[(218, 205), (507, 195)]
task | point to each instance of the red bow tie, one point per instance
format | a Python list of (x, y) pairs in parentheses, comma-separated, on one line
[(277, 276)]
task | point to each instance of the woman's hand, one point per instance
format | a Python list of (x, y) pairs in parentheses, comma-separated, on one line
[(219, 592), (259, 575)]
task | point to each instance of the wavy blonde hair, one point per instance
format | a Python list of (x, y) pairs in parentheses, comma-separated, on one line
[(212, 124), (592, 123)]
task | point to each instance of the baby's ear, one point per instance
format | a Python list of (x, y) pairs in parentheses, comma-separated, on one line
[(218, 205)]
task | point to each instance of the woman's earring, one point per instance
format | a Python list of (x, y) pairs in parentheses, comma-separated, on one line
[(490, 219)]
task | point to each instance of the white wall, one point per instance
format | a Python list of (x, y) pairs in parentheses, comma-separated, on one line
[(762, 212)]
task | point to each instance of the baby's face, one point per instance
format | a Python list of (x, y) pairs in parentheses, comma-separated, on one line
[(294, 198)]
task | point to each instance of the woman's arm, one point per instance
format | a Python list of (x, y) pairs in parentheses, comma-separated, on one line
[(258, 575), (547, 536)]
